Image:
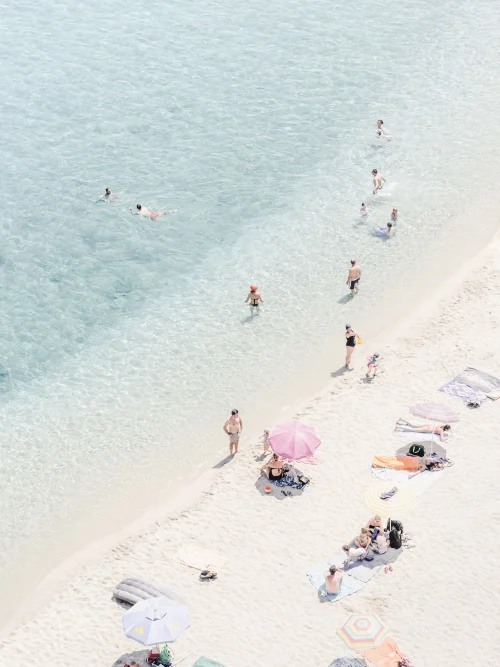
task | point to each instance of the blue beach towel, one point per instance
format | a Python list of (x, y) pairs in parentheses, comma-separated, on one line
[(348, 586)]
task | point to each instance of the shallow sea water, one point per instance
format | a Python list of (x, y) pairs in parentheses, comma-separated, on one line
[(125, 342)]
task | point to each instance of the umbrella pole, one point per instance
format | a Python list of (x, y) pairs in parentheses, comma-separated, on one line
[(432, 437)]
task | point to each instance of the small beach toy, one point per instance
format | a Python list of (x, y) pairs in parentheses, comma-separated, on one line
[(267, 489)]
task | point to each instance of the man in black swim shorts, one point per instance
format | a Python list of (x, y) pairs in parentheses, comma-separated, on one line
[(354, 277)]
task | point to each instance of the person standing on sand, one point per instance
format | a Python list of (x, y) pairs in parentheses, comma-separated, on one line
[(378, 181), (233, 428), (354, 277), (350, 343)]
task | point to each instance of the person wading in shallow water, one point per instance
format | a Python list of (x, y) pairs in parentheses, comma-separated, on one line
[(354, 277), (254, 298), (233, 428)]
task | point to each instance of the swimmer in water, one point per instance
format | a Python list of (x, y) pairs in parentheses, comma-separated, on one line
[(152, 215), (394, 215), (108, 196), (381, 131), (364, 209), (378, 181), (389, 231)]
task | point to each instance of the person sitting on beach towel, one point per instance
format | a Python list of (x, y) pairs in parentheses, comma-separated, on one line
[(358, 548), (410, 463), (274, 468), (441, 431), (374, 522), (333, 579)]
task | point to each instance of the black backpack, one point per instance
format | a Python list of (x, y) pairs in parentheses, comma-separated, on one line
[(416, 450), (395, 529)]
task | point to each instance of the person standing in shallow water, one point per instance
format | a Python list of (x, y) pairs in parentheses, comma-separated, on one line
[(254, 298), (378, 181), (233, 428), (350, 344), (353, 277)]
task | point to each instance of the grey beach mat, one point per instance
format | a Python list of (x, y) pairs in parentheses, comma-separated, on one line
[(479, 381), (133, 590)]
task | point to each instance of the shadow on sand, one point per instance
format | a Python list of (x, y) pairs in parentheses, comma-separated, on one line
[(224, 461)]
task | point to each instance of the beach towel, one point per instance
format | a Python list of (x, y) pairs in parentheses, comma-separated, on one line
[(386, 655), (464, 392), (348, 586), (480, 381), (200, 559), (347, 661), (416, 437), (206, 662), (419, 483), (396, 462)]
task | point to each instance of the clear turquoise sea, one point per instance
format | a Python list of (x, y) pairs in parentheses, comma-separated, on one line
[(125, 343)]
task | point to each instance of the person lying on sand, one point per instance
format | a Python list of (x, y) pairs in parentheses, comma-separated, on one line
[(410, 463), (333, 579), (442, 431), (273, 470)]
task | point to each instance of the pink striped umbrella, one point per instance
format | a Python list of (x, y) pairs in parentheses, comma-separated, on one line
[(294, 440), (435, 412)]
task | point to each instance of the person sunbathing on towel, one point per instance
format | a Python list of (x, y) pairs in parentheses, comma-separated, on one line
[(273, 470), (442, 431), (410, 463)]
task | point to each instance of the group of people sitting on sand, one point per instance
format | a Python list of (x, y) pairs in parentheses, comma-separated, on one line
[(372, 539)]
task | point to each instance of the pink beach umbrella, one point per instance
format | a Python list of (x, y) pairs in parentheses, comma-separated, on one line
[(435, 412), (294, 440)]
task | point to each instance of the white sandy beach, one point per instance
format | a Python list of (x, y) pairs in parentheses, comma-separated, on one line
[(440, 600)]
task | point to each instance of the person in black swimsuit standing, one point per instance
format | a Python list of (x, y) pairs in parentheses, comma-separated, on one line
[(254, 298), (350, 343)]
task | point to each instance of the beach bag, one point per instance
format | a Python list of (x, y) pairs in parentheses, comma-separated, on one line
[(416, 450), (395, 529), (359, 340)]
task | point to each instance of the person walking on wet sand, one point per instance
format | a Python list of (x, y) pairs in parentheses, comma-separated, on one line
[(233, 428), (350, 344), (354, 277)]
